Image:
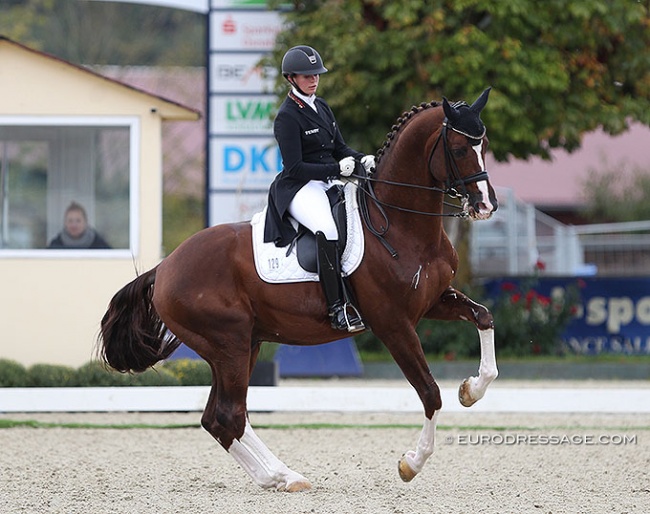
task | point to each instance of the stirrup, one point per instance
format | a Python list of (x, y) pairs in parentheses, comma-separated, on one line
[(342, 320)]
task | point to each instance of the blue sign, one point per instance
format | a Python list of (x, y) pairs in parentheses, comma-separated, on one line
[(613, 315), (244, 163)]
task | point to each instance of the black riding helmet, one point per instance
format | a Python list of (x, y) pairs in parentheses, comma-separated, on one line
[(302, 60)]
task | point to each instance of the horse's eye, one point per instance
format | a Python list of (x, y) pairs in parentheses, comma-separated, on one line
[(459, 153)]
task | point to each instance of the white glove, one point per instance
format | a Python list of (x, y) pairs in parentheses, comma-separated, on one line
[(368, 162), (347, 166)]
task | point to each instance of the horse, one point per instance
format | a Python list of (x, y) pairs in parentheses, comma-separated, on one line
[(207, 293)]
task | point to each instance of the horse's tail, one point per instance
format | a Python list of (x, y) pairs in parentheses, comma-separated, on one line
[(132, 336)]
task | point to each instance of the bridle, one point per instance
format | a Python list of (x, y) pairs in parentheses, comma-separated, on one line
[(455, 187)]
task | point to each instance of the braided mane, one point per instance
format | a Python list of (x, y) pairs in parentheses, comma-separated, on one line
[(407, 115)]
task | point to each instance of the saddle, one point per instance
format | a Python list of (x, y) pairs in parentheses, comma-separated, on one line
[(297, 261), (305, 240)]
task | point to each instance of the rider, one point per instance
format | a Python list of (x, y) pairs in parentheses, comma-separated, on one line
[(313, 154)]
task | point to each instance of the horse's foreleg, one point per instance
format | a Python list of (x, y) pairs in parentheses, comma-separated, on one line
[(472, 389), (454, 305), (412, 462), (405, 347)]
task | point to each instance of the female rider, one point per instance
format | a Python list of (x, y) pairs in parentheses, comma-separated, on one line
[(313, 154)]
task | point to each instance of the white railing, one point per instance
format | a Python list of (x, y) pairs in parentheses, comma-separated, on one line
[(518, 237)]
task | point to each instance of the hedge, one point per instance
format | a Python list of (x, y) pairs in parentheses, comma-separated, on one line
[(95, 374)]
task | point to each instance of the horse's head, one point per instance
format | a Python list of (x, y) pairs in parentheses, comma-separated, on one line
[(459, 162)]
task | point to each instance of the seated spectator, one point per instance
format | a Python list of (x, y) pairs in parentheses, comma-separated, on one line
[(76, 233)]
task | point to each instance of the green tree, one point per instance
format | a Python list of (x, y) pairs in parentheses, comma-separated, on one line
[(85, 32), (557, 70)]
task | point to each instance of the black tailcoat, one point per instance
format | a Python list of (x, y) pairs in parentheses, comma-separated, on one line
[(311, 145)]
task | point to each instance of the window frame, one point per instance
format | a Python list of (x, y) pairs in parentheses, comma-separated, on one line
[(133, 124)]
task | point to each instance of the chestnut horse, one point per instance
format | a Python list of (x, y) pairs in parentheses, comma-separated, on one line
[(207, 292)]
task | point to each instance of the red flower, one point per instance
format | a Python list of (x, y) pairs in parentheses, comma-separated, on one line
[(508, 286)]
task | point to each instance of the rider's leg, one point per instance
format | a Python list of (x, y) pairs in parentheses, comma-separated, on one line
[(311, 208), (329, 272)]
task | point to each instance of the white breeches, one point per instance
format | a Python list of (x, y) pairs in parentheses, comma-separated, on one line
[(311, 208)]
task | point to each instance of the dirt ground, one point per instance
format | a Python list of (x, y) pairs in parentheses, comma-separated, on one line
[(483, 463)]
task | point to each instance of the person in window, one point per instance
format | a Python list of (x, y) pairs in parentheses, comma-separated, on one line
[(76, 233), (313, 154)]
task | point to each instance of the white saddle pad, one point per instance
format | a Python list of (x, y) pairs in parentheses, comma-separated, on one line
[(274, 266)]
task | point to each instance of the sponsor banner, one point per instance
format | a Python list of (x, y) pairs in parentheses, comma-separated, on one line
[(613, 315), (243, 163), (251, 115), (241, 73), (244, 30)]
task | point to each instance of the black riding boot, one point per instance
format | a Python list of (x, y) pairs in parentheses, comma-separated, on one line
[(343, 314)]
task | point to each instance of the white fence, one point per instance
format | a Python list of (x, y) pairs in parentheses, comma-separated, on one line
[(518, 236)]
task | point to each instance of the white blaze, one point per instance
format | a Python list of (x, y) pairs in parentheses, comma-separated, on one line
[(482, 184)]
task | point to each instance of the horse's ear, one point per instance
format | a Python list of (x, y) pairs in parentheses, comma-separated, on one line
[(449, 111), (480, 102)]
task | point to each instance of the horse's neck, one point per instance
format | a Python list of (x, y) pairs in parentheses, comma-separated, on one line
[(413, 213)]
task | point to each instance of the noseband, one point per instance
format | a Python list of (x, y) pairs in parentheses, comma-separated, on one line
[(455, 185)]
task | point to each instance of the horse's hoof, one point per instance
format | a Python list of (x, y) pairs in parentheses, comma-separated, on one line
[(297, 486), (464, 396), (405, 471)]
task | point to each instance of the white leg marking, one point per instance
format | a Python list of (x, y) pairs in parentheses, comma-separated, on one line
[(265, 468), (473, 389), (416, 459)]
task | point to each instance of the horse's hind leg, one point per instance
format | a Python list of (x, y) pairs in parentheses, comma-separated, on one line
[(225, 418), (265, 468), (454, 305)]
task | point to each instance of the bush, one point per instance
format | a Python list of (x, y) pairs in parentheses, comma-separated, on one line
[(526, 322), (529, 323), (12, 374), (190, 372), (50, 375), (96, 374), (153, 377), (450, 339)]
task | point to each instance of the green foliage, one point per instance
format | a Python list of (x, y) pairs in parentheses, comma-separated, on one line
[(85, 32), (182, 216), (50, 375), (616, 195), (96, 374), (153, 377), (529, 323), (12, 374), (190, 372), (526, 322), (450, 339), (556, 72)]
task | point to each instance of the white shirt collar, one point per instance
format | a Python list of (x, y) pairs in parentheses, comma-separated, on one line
[(309, 100)]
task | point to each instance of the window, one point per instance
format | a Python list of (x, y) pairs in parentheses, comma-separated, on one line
[(47, 164)]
